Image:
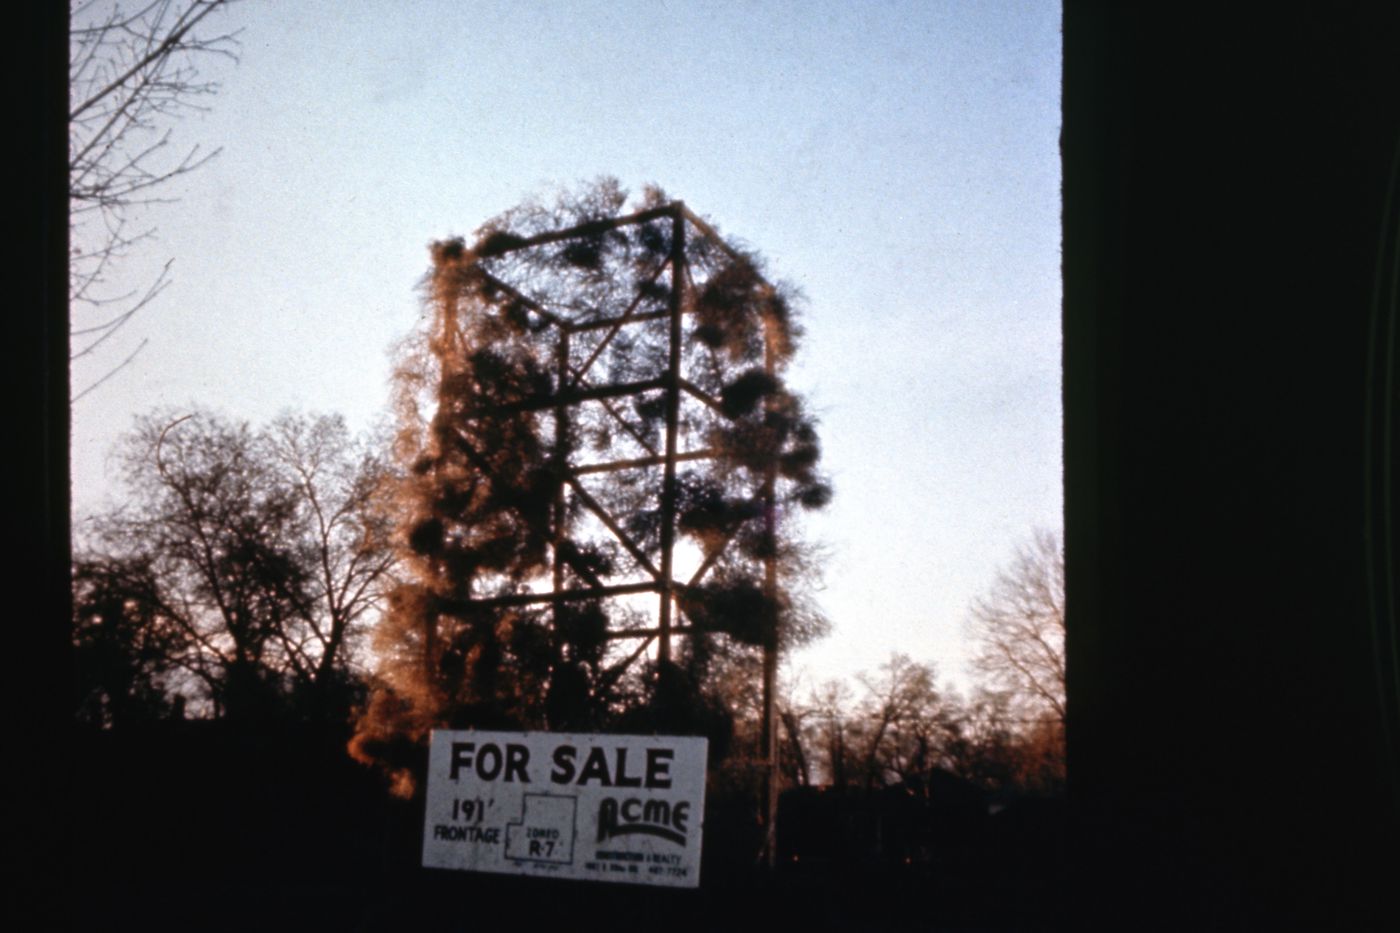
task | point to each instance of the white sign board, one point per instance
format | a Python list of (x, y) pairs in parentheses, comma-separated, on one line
[(601, 807)]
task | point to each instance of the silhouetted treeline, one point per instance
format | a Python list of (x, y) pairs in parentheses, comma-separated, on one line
[(222, 703), (897, 730), (239, 580)]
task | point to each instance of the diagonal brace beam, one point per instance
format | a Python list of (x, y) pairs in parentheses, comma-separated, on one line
[(597, 509)]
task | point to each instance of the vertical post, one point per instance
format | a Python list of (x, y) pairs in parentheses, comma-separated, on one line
[(770, 643), (561, 464), (673, 405)]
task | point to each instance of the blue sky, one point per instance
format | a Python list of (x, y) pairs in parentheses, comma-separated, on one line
[(897, 161)]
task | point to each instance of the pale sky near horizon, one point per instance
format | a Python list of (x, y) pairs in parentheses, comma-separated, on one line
[(897, 161)]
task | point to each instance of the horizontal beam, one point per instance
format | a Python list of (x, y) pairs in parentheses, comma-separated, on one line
[(602, 323), (648, 632), (658, 460), (569, 397), (530, 599), (570, 596), (586, 229)]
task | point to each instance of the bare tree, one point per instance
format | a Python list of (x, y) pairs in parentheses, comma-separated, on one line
[(1019, 629), (829, 710), (126, 649), (899, 721), (132, 71), (984, 741), (254, 555), (340, 486)]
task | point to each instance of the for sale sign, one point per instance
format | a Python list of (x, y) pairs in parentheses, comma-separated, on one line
[(603, 807)]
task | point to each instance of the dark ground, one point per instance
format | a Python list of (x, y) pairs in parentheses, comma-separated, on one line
[(201, 826)]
